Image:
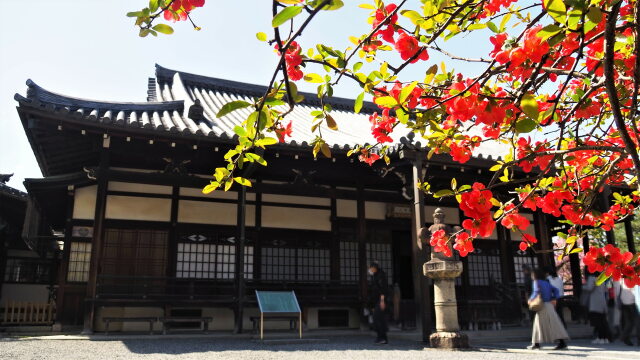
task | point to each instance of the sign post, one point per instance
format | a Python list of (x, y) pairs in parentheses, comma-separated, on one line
[(278, 303)]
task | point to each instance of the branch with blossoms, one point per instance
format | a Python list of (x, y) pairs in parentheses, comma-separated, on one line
[(559, 87)]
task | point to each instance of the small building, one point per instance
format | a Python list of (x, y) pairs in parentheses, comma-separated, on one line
[(27, 262), (122, 183)]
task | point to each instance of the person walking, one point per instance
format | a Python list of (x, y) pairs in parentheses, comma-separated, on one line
[(629, 313), (557, 282), (598, 309), (547, 327), (379, 297)]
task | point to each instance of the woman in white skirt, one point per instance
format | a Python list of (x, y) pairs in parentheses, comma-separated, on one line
[(547, 327)]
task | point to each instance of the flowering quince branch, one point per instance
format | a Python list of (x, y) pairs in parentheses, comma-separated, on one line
[(559, 90)]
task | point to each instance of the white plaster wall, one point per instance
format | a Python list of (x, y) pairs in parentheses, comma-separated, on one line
[(139, 188), (291, 199), (24, 292), (84, 204), (296, 218), (138, 208), (347, 208), (218, 194), (204, 212), (375, 210)]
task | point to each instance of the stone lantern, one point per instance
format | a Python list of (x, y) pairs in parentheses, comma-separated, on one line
[(443, 271)]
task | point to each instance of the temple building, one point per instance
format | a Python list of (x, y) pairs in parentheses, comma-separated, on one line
[(122, 185)]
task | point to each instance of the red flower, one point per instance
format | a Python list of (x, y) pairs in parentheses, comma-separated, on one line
[(551, 203), (513, 219), (293, 60), (407, 46), (368, 157), (480, 226), (382, 126), (283, 132), (440, 242), (477, 202), (464, 244), (527, 241)]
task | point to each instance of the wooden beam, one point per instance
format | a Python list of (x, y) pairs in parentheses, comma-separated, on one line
[(96, 244), (422, 286), (240, 250), (631, 240), (361, 235)]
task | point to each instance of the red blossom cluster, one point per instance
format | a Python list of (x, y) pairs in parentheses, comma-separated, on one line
[(179, 9), (614, 263), (293, 60), (283, 131), (368, 157), (440, 242), (522, 58), (382, 126), (405, 44), (525, 148)]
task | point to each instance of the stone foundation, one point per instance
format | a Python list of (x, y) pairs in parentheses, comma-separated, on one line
[(449, 340)]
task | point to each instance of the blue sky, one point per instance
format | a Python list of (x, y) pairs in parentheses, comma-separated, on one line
[(90, 49)]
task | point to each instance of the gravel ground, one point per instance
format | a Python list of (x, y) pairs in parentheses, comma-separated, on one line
[(354, 347)]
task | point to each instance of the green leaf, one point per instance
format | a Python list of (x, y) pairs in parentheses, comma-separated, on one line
[(242, 181), (261, 36), (266, 141), (331, 123), (287, 13), (548, 31), (386, 101), (163, 28), (529, 106), (357, 106), (211, 187), (232, 106), (313, 78), (595, 14), (602, 278), (525, 125), (492, 27), (153, 6), (257, 158), (135, 14), (240, 130), (443, 192), (406, 91), (556, 9)]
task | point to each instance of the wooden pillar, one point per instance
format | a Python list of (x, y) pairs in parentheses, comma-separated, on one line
[(507, 266), (606, 194), (631, 240), (421, 285), (576, 274), (173, 232), (335, 239), (361, 235), (257, 250), (96, 244), (240, 244), (542, 231), (63, 268)]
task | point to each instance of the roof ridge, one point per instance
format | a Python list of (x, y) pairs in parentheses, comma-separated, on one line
[(36, 93), (165, 76)]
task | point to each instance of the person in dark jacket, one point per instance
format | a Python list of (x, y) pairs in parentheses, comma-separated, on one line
[(379, 297)]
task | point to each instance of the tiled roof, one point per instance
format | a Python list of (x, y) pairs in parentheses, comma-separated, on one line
[(173, 93), (8, 190)]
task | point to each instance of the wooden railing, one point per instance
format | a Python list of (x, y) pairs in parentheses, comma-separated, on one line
[(28, 313)]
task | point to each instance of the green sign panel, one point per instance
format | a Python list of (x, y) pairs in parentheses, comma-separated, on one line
[(277, 302)]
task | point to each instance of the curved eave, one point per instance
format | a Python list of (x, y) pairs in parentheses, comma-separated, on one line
[(165, 76)]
